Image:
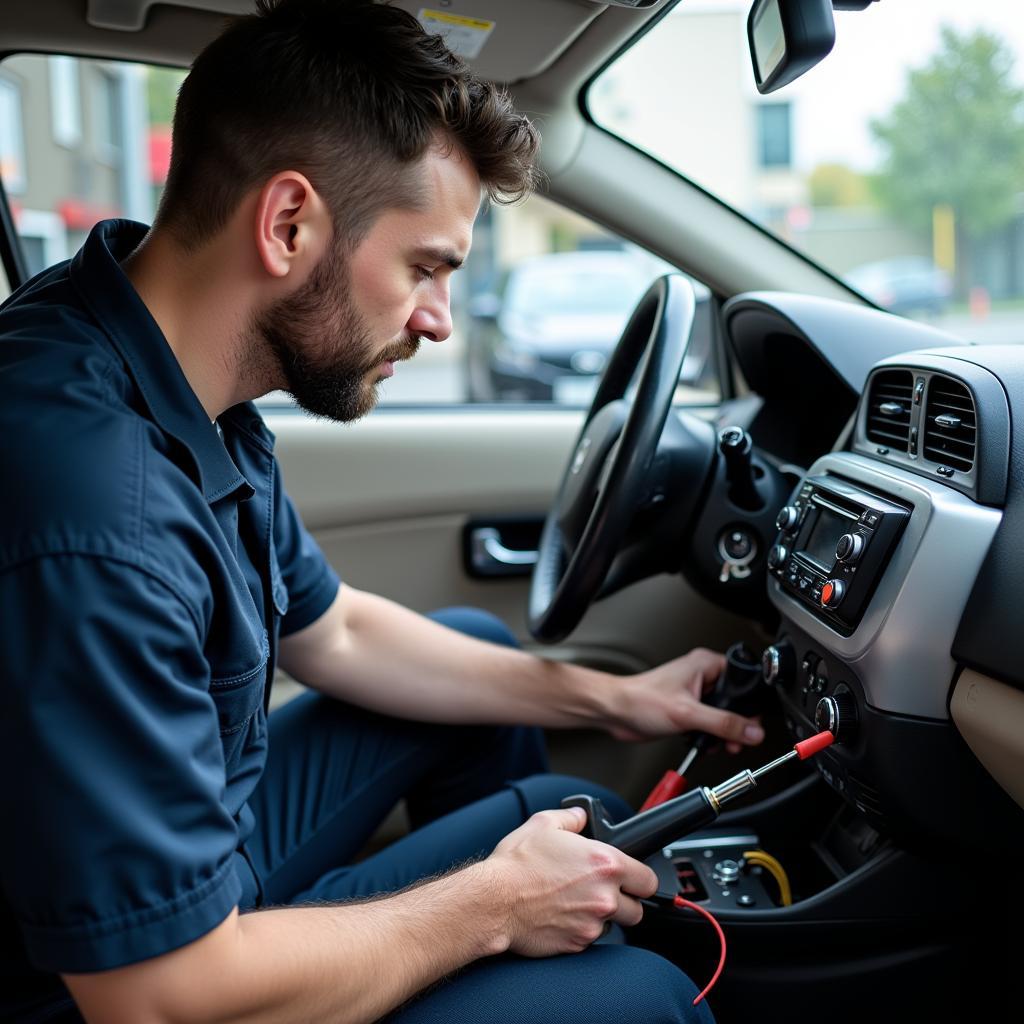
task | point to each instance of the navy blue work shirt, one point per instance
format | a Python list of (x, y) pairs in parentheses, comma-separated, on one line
[(147, 567)]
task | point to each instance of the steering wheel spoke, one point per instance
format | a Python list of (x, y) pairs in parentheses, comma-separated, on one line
[(588, 471), (604, 482)]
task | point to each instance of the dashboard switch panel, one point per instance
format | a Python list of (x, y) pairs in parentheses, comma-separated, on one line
[(836, 539)]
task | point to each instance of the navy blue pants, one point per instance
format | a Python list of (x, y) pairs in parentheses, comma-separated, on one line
[(335, 771)]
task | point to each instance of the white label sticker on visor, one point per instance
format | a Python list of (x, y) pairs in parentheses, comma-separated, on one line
[(464, 36)]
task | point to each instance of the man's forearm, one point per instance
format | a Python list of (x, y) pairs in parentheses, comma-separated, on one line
[(349, 963), (377, 654)]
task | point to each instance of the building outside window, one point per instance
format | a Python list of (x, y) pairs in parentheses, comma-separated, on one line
[(108, 136), (774, 135), (65, 101), (12, 138)]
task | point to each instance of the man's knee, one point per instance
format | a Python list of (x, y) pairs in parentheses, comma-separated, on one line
[(604, 985), (637, 985), (542, 792)]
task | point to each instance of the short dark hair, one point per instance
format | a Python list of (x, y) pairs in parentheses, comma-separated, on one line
[(349, 92)]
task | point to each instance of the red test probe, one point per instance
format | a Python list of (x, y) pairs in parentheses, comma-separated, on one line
[(650, 830), (672, 783), (740, 689), (804, 749), (647, 832)]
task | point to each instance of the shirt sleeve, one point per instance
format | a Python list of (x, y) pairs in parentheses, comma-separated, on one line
[(117, 847), (310, 582)]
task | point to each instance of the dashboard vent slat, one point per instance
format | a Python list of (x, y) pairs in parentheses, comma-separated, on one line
[(889, 407), (950, 425)]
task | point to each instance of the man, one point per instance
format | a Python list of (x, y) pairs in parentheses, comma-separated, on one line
[(328, 164)]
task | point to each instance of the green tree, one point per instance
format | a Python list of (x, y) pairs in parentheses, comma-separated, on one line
[(956, 137), (162, 86), (838, 185)]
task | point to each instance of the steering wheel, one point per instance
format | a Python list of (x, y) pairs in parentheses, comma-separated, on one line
[(603, 484)]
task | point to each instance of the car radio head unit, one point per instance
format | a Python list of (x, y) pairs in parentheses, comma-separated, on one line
[(834, 542)]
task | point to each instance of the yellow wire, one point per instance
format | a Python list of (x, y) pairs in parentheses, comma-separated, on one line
[(775, 869)]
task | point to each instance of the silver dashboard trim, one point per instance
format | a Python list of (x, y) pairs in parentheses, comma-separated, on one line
[(900, 651)]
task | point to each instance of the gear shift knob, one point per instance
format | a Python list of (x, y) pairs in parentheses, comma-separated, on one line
[(737, 449)]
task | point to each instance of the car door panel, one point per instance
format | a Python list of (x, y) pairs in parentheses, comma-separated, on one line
[(388, 500)]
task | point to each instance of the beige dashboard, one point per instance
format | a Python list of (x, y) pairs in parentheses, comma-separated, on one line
[(990, 717)]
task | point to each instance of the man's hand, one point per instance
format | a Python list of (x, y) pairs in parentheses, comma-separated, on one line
[(667, 700), (558, 889)]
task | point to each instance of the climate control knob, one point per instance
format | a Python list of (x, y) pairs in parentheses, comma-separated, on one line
[(777, 556), (837, 714), (849, 548), (778, 663), (787, 518), (832, 594)]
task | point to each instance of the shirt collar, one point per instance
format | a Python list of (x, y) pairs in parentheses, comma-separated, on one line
[(116, 305)]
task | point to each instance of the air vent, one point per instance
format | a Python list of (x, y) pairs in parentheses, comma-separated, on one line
[(889, 406), (950, 425)]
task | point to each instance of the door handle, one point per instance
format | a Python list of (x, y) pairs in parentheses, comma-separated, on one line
[(488, 553)]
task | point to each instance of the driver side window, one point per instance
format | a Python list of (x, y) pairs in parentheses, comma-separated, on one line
[(538, 307)]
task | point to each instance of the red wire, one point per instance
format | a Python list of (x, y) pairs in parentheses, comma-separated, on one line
[(686, 904)]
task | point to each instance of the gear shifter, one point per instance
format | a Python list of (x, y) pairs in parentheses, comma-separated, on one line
[(737, 449)]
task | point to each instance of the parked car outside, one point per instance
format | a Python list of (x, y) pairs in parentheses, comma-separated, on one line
[(904, 285), (547, 334)]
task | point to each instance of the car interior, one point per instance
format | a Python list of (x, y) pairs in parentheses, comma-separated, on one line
[(842, 508)]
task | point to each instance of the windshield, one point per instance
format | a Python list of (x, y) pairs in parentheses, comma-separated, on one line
[(897, 163)]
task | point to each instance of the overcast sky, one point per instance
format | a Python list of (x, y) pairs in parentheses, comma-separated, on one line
[(866, 71)]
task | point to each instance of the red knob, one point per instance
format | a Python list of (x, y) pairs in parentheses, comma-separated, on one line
[(833, 593)]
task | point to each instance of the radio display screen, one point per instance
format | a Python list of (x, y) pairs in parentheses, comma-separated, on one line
[(820, 545)]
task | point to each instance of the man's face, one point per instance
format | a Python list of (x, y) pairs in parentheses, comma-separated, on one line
[(340, 334)]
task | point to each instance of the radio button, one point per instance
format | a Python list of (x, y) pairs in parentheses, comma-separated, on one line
[(787, 518), (850, 547), (777, 556), (832, 594)]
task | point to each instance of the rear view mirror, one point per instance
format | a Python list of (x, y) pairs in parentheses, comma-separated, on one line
[(787, 38)]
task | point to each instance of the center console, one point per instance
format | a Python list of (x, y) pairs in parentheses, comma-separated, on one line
[(873, 566), (870, 570)]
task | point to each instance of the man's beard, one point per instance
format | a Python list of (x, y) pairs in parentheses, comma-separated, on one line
[(323, 347)]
